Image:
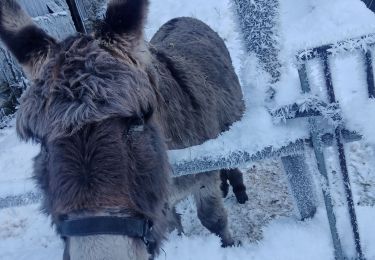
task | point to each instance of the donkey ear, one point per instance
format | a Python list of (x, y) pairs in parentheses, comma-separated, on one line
[(28, 43), (125, 18)]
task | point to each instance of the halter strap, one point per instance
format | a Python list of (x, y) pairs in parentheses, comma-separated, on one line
[(107, 225)]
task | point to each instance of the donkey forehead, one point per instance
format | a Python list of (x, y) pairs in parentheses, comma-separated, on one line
[(78, 45), (66, 43), (83, 54), (81, 83)]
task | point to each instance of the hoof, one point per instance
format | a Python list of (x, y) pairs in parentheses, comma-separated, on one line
[(242, 197), (232, 244)]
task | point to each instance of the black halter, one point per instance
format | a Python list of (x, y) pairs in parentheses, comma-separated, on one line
[(109, 225)]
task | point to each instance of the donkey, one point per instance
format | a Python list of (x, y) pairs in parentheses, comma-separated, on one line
[(105, 108)]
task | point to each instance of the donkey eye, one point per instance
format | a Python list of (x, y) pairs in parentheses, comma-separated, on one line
[(135, 125), (136, 128)]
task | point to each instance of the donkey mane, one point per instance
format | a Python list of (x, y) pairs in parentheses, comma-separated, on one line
[(87, 85)]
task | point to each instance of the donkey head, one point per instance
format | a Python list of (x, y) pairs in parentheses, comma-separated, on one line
[(103, 165)]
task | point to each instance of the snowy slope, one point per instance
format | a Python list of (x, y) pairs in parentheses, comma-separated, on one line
[(266, 224)]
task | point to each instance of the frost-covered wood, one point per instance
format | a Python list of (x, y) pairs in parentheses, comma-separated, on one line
[(58, 25), (259, 22), (11, 84), (42, 7), (91, 11)]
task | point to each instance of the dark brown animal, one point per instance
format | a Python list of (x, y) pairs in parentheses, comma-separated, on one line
[(106, 107)]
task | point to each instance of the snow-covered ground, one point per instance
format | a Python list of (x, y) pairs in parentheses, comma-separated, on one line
[(266, 225)]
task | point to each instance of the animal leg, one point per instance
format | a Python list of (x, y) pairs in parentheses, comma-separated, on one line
[(174, 221), (211, 211), (224, 186), (235, 178), (181, 188)]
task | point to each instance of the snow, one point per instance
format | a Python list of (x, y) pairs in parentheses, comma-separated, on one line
[(26, 234), (266, 224), (308, 24), (15, 164), (279, 238)]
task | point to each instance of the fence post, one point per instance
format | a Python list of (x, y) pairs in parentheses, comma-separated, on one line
[(300, 183), (258, 21), (77, 16), (342, 159), (322, 54), (86, 13), (321, 164)]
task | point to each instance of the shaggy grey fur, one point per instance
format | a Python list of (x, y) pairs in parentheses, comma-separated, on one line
[(82, 83), (200, 93), (107, 108)]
